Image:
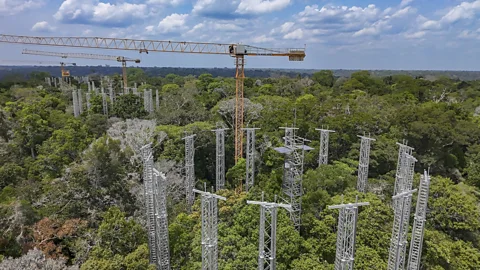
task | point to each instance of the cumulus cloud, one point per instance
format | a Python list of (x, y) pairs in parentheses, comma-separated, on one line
[(12, 7), (262, 39), (42, 26), (165, 2), (172, 23), (94, 12), (405, 2), (296, 34), (415, 35), (464, 12), (261, 6), (234, 9)]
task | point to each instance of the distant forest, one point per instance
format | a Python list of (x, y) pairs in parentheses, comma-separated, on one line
[(229, 72)]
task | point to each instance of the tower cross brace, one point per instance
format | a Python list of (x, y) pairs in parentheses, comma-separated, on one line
[(189, 168), (161, 224), (419, 223), (323, 153), (220, 158), (267, 242), (150, 201), (346, 233), (250, 161), (363, 163), (209, 206), (294, 151)]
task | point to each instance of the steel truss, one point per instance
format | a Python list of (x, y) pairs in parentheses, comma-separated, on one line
[(209, 229), (250, 166), (294, 151), (323, 153), (346, 232), (267, 243), (363, 163)]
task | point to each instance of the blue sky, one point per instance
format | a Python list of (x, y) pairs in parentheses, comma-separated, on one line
[(363, 34)]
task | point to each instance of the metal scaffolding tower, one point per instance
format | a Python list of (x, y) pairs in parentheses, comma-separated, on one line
[(294, 151), (267, 242), (250, 168), (76, 109), (161, 224), (189, 168), (419, 223), (346, 232), (323, 153), (104, 103), (111, 93), (148, 182), (209, 229), (148, 100), (401, 206), (401, 163), (157, 100), (87, 97), (220, 153), (363, 163)]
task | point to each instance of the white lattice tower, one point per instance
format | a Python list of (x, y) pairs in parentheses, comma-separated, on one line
[(419, 223), (346, 233), (209, 204), (148, 182), (87, 97), (189, 169), (401, 165), (161, 224), (220, 158), (104, 103), (157, 100), (267, 240), (76, 110), (323, 152), (80, 101), (150, 100), (294, 151), (111, 93), (146, 106), (363, 163), (250, 161)]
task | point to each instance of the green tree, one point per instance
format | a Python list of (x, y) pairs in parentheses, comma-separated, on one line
[(324, 78), (129, 106)]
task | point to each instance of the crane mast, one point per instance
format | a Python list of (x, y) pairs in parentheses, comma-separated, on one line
[(121, 59), (239, 51)]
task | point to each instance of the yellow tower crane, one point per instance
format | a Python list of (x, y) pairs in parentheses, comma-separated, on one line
[(122, 59), (65, 73), (239, 51)]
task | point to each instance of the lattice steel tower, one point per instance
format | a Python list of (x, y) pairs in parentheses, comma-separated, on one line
[(267, 240), (209, 229), (189, 168), (346, 232), (76, 109), (250, 168), (419, 223), (161, 224), (363, 163), (294, 151), (104, 103), (220, 153), (148, 182), (401, 206), (323, 153)]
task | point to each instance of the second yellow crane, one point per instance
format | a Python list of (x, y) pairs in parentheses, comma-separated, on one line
[(121, 59)]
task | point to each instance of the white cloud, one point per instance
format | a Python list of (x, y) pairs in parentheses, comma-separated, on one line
[(261, 6), (404, 12), (172, 23), (12, 7), (218, 9), (465, 11), (262, 39), (296, 34), (415, 35), (165, 2), (94, 12), (86, 32), (405, 2), (42, 26)]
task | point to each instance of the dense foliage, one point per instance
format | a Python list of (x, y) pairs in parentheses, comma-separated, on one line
[(71, 190)]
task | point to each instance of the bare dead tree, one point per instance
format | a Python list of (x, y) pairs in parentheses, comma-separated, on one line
[(226, 109)]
